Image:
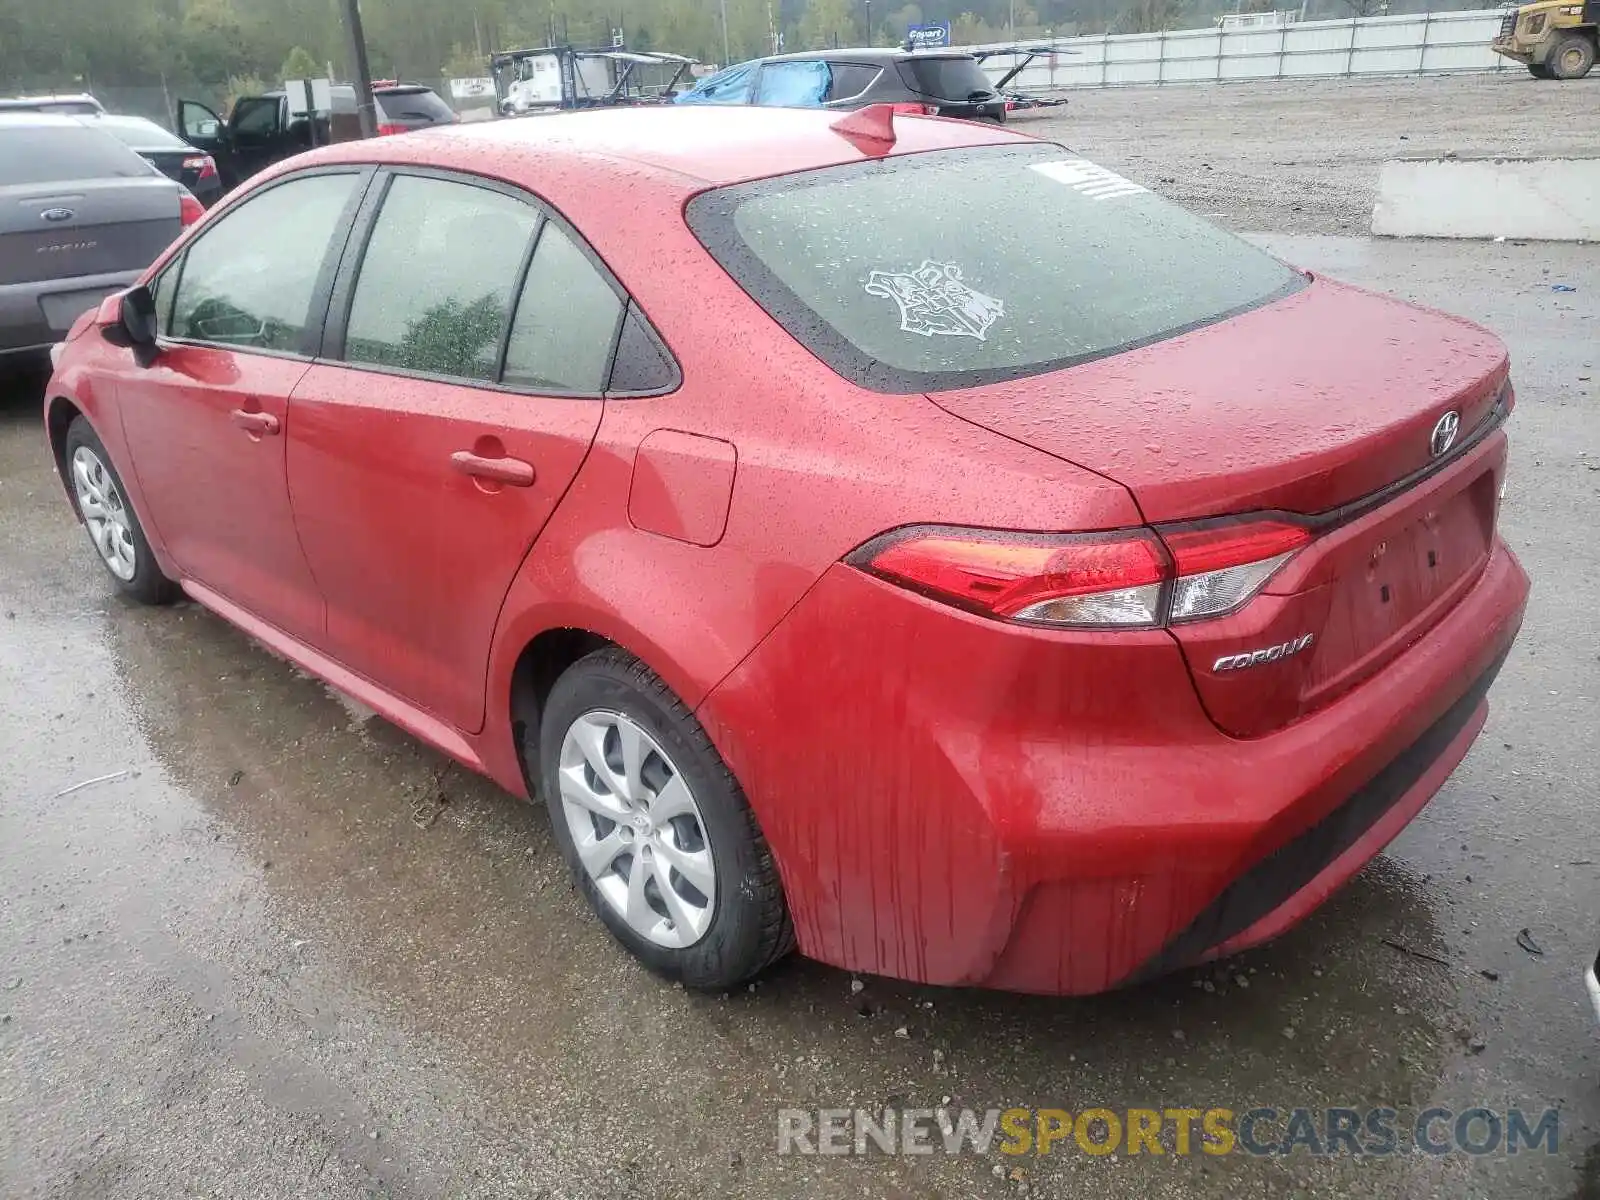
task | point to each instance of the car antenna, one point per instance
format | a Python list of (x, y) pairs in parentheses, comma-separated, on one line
[(870, 129)]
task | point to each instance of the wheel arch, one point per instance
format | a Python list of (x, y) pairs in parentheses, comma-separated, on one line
[(542, 661), (59, 414)]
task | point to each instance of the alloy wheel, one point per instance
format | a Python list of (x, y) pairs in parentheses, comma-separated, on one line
[(105, 514), (637, 829)]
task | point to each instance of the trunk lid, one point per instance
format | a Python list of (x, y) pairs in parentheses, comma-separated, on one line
[(1304, 404), (63, 229), (1326, 403)]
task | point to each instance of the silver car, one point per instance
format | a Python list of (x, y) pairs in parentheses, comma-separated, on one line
[(80, 216)]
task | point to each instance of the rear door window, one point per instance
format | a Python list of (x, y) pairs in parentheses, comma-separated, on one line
[(793, 84), (435, 284), (928, 296), (953, 80), (57, 153), (851, 79), (566, 322), (415, 104), (248, 278)]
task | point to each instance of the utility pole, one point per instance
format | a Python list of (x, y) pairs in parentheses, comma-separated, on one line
[(365, 111), (726, 54), (869, 22)]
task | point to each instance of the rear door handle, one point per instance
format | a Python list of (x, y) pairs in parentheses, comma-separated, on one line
[(258, 423), (511, 471)]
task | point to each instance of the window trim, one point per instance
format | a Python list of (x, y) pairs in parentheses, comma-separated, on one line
[(316, 306), (342, 297), (877, 74)]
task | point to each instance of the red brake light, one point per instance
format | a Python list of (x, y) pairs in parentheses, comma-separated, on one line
[(190, 210), (1214, 546), (916, 110), (1129, 578), (1222, 564), (1070, 579), (387, 128), (204, 163)]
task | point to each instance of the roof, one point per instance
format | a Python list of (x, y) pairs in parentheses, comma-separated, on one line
[(710, 145), (877, 55), (30, 118), (53, 98)]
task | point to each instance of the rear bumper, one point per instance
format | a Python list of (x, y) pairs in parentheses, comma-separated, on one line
[(959, 801), (34, 316)]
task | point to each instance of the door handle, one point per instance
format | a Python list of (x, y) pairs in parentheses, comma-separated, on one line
[(256, 423), (511, 471)]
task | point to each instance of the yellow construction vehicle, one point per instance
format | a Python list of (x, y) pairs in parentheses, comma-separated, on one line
[(1554, 39)]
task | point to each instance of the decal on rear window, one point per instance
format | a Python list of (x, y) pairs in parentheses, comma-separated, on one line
[(933, 299), (1091, 180)]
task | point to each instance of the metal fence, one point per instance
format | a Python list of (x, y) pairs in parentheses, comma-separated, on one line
[(1415, 44)]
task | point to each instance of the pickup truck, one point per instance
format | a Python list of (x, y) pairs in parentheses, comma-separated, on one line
[(259, 130)]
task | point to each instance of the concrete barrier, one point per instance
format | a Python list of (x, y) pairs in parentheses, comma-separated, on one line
[(1554, 199)]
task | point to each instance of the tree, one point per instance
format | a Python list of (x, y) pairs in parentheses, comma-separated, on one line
[(1151, 16), (300, 65), (827, 23)]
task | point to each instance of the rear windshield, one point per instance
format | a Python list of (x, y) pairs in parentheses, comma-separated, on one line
[(418, 105), (946, 78), (926, 272), (141, 135), (62, 152)]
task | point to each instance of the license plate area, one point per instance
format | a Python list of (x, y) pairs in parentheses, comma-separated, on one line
[(1391, 584)]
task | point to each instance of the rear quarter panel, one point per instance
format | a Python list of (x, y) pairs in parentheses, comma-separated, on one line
[(822, 466)]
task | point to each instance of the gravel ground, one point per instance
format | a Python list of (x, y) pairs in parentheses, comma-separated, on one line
[(1304, 157)]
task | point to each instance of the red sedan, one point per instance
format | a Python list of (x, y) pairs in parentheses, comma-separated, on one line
[(893, 536)]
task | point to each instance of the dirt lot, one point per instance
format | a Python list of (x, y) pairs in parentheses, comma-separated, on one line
[(1304, 157)]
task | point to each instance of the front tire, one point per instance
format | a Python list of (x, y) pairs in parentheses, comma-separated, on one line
[(1540, 71), (113, 526), (655, 828), (1572, 57)]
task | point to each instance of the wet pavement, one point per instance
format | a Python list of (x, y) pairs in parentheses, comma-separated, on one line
[(278, 949)]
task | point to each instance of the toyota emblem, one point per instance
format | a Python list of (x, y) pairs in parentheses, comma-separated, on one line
[(57, 214), (1444, 433)]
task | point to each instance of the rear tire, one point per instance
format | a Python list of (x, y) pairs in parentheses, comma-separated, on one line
[(1573, 57), (112, 525), (636, 791)]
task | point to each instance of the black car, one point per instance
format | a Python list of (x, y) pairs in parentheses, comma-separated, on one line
[(170, 154), (260, 130), (944, 83)]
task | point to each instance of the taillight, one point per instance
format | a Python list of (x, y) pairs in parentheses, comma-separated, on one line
[(916, 110), (388, 128), (1132, 578), (1221, 564), (190, 210), (204, 163)]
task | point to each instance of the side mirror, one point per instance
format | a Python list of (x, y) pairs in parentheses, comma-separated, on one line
[(132, 323)]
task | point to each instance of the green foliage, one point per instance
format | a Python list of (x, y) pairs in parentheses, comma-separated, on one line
[(300, 65)]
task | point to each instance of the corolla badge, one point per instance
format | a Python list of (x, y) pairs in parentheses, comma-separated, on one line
[(1444, 433), (58, 214), (933, 299), (1267, 654)]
